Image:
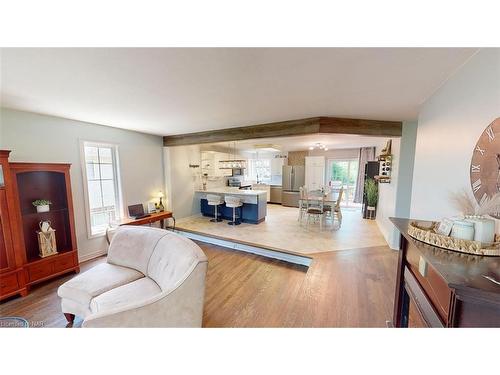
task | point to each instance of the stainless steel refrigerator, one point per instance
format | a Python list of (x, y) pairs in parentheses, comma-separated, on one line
[(293, 178)]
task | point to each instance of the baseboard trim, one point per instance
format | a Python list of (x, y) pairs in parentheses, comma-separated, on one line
[(91, 256), (290, 258)]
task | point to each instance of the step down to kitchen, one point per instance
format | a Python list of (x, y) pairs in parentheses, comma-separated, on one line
[(246, 247)]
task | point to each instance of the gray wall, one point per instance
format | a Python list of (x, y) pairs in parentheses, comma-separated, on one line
[(405, 178), (39, 138)]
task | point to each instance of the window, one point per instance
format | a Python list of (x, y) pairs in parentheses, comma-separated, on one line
[(259, 170), (102, 186)]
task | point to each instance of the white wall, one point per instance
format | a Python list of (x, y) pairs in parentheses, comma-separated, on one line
[(395, 198), (181, 181), (39, 138), (337, 153), (387, 197), (450, 123)]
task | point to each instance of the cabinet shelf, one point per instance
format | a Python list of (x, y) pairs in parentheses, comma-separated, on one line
[(34, 258), (42, 214)]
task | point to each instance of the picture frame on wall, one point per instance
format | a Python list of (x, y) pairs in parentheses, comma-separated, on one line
[(152, 208)]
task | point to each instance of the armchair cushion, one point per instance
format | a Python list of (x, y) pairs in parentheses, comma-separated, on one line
[(99, 279), (134, 292), (173, 258), (132, 247)]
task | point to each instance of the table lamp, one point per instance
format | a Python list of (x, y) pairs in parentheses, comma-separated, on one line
[(161, 208)]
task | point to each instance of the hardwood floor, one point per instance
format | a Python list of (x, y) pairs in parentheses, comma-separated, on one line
[(351, 288)]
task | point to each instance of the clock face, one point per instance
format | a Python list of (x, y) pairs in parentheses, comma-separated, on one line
[(485, 164)]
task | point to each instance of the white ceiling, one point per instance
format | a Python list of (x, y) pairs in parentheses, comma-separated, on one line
[(303, 142), (174, 90)]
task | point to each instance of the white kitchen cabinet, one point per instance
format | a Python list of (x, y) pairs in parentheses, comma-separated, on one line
[(218, 157), (208, 163), (315, 172), (277, 166)]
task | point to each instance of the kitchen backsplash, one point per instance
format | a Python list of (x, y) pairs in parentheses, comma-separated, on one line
[(297, 157)]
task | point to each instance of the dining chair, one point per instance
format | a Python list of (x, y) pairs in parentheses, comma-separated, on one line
[(302, 202), (336, 209), (314, 208)]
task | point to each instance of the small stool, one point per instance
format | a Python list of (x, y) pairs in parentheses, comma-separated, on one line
[(215, 200), (233, 202)]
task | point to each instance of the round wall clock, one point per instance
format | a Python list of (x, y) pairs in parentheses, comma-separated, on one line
[(485, 164)]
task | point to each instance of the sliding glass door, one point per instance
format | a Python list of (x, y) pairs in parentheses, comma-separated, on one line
[(343, 173)]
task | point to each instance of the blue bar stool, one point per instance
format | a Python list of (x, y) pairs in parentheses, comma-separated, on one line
[(215, 200), (234, 203)]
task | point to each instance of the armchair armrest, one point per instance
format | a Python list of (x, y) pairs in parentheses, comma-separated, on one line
[(179, 307)]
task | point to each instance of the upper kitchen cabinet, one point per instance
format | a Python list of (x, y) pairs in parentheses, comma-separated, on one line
[(277, 166), (315, 172), (212, 163), (208, 163)]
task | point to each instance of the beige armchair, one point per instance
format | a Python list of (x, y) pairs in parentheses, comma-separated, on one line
[(152, 278)]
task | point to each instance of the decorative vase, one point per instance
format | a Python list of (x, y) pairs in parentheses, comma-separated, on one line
[(484, 228), (161, 208), (44, 208), (371, 212)]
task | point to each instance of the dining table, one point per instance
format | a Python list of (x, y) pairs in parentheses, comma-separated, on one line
[(329, 197)]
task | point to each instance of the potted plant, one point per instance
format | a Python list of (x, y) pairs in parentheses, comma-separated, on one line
[(371, 191), (42, 205)]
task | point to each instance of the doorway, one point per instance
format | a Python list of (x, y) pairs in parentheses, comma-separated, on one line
[(344, 173)]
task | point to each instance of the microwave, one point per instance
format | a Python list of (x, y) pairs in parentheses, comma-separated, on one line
[(238, 171)]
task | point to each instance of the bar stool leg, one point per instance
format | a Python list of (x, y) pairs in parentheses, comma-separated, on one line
[(234, 222), (216, 219)]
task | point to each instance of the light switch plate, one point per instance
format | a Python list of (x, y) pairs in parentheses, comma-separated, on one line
[(422, 267)]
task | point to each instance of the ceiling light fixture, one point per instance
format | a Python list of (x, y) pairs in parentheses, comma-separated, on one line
[(268, 147), (319, 146)]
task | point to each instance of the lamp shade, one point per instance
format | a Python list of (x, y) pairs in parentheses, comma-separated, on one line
[(160, 194)]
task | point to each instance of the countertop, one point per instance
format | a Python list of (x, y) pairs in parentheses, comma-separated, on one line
[(459, 270), (232, 191)]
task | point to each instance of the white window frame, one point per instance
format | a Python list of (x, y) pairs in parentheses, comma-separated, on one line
[(251, 167), (117, 181)]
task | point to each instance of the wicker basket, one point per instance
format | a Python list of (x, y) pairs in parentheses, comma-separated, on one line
[(428, 235)]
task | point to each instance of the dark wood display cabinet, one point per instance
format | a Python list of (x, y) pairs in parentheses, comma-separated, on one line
[(12, 276), (436, 287), (28, 182)]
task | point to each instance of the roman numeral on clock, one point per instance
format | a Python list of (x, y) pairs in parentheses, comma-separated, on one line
[(476, 186), (480, 150), (489, 132), (483, 198), (475, 168)]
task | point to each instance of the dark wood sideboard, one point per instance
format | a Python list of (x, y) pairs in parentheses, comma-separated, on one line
[(441, 288)]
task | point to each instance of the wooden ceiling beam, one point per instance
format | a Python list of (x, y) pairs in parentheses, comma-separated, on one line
[(313, 125)]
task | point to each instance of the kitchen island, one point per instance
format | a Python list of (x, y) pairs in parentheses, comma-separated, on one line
[(254, 207)]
